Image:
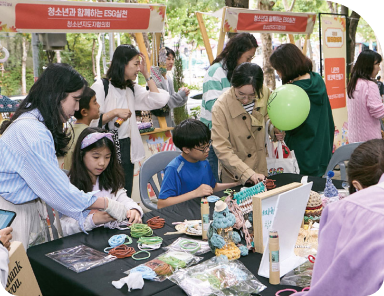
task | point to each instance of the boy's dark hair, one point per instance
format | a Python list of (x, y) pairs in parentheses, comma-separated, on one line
[(121, 57), (191, 133), (85, 98), (362, 69), (112, 178), (170, 51), (378, 77), (46, 95), (290, 62), (248, 74), (366, 164), (234, 49)]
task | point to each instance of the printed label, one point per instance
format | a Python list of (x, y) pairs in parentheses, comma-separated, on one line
[(275, 260), (205, 222)]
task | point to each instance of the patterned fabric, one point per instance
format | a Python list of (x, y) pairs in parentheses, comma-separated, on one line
[(215, 83), (364, 112), (93, 138), (29, 169)]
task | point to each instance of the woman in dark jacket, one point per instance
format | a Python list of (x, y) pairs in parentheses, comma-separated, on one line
[(312, 141)]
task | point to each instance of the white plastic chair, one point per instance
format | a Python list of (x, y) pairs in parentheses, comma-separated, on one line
[(342, 154), (153, 166)]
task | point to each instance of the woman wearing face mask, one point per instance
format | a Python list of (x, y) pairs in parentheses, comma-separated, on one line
[(238, 126), (349, 259), (365, 107), (240, 49), (124, 94), (164, 81)]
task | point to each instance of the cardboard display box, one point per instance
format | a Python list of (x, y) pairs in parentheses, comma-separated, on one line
[(21, 279)]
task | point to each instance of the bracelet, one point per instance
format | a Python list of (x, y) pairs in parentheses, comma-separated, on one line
[(139, 230), (149, 78), (193, 246), (156, 222), (133, 256)]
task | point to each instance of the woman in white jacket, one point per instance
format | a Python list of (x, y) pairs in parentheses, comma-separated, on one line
[(124, 96), (95, 168)]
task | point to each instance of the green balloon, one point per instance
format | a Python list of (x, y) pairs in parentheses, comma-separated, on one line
[(288, 107)]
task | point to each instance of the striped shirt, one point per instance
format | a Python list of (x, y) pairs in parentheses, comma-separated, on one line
[(215, 83), (29, 169), (249, 107)]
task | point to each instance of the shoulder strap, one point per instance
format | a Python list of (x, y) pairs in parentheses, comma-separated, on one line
[(106, 86)]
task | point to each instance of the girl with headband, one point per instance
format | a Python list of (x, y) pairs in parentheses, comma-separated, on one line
[(29, 146), (95, 168)]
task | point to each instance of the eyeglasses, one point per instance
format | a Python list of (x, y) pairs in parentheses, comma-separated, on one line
[(206, 148), (252, 98)]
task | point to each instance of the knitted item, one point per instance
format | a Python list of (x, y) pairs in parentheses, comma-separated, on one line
[(330, 189), (144, 125), (147, 130), (314, 205)]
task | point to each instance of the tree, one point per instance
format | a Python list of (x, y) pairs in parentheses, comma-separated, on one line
[(179, 113), (353, 21)]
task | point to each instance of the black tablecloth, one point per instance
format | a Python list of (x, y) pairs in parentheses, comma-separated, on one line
[(55, 279)]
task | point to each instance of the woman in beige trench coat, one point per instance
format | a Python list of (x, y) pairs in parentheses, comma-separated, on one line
[(238, 126)]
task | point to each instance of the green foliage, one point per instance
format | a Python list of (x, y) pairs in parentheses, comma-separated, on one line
[(12, 81), (195, 112), (365, 30), (142, 81), (182, 21), (192, 86)]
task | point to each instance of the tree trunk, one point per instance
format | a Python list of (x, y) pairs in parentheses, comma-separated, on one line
[(266, 41), (331, 6), (98, 56), (93, 58), (24, 67), (353, 22), (380, 51), (58, 56)]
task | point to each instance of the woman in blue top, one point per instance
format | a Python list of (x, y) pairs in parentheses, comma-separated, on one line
[(29, 146)]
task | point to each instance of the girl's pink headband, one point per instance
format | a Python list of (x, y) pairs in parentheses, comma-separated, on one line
[(94, 137)]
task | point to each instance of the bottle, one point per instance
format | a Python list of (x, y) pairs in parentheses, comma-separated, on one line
[(204, 218), (274, 260), (119, 122)]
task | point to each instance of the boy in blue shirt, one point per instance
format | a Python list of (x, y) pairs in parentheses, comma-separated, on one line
[(189, 175)]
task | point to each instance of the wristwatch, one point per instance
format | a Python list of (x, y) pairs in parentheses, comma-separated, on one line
[(149, 78)]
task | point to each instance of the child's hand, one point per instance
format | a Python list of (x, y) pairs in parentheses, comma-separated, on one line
[(204, 190), (100, 217), (134, 216)]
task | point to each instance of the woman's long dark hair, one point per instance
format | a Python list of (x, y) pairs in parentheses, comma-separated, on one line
[(363, 69), (248, 74), (234, 49), (366, 164), (112, 178), (290, 62), (121, 57), (46, 94)]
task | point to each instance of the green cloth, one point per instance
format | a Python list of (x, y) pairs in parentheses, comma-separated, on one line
[(312, 141), (77, 129), (147, 130)]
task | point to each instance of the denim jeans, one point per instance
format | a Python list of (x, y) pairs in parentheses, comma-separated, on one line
[(214, 163)]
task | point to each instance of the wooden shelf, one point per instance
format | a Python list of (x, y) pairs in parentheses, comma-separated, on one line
[(158, 130)]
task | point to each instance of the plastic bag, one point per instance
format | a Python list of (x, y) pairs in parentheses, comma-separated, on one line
[(193, 246), (165, 264), (80, 258), (301, 276), (217, 276)]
